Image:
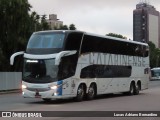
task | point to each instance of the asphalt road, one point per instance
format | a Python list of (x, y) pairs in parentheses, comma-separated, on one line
[(147, 100)]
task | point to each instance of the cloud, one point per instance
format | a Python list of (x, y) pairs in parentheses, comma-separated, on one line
[(96, 16)]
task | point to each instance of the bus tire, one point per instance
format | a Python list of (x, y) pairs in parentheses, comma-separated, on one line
[(80, 93), (91, 92), (131, 89), (136, 90)]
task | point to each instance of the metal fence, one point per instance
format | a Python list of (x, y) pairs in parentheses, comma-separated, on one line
[(10, 80)]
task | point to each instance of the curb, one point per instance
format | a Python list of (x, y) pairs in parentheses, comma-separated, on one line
[(10, 91)]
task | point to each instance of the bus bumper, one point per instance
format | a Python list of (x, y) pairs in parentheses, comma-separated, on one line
[(52, 94)]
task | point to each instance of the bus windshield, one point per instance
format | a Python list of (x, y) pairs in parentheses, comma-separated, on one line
[(155, 72), (40, 71), (46, 40)]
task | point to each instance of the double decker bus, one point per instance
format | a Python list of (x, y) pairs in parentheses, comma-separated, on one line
[(76, 64)]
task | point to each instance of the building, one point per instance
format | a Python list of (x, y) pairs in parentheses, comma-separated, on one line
[(54, 22), (146, 24)]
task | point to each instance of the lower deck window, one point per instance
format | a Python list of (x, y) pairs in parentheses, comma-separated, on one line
[(105, 71)]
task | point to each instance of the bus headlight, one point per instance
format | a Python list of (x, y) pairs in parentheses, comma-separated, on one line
[(54, 87), (24, 86)]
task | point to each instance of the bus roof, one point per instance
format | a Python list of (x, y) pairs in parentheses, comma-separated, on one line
[(91, 34), (157, 68), (118, 39)]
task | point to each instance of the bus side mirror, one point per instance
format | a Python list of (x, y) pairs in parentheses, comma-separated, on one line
[(14, 55), (63, 53)]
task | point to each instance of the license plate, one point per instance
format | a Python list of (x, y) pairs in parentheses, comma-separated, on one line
[(37, 96)]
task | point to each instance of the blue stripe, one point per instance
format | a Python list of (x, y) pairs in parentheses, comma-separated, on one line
[(59, 90)]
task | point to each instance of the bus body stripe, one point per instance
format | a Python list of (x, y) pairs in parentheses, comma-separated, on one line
[(59, 90)]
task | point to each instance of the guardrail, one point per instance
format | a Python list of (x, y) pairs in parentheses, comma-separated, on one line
[(10, 80)]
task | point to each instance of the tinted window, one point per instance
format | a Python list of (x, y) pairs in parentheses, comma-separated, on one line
[(46, 40), (67, 66), (73, 41), (40, 71), (105, 45), (105, 71)]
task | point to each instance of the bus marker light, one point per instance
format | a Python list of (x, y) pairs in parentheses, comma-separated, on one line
[(24, 86), (55, 94)]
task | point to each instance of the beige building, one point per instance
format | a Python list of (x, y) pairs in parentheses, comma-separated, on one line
[(54, 22)]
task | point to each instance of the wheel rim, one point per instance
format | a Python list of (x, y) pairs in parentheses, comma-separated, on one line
[(137, 89), (132, 89), (91, 91), (80, 92)]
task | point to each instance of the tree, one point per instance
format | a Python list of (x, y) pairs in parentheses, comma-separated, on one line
[(17, 25), (154, 55), (65, 27), (14, 26), (44, 24), (38, 23), (72, 27), (116, 35)]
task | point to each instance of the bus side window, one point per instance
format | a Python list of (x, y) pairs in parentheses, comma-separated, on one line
[(73, 41), (67, 67)]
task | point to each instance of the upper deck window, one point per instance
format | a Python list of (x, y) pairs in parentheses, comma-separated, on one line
[(46, 40)]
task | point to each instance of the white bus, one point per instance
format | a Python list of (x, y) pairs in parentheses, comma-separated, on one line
[(155, 73), (65, 64)]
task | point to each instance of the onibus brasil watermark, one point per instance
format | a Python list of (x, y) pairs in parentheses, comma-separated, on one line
[(21, 114), (29, 114)]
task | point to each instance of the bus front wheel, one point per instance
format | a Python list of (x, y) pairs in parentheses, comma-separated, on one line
[(131, 90), (80, 93)]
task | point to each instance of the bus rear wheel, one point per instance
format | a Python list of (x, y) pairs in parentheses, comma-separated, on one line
[(136, 90), (91, 92), (80, 93)]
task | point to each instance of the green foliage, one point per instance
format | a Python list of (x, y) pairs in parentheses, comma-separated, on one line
[(65, 27), (72, 27), (44, 24), (116, 35), (13, 24), (154, 55), (16, 27), (38, 22)]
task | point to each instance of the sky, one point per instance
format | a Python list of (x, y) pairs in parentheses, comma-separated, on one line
[(93, 16)]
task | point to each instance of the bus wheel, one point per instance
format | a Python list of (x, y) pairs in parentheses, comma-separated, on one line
[(91, 92), (47, 99), (131, 90), (136, 90), (80, 93)]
